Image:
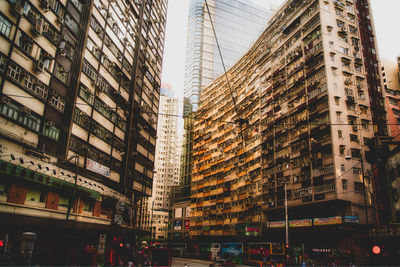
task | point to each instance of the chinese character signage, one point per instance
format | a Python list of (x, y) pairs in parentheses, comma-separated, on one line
[(300, 223), (96, 167), (328, 221), (277, 224)]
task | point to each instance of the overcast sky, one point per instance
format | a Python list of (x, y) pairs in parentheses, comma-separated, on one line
[(385, 14)]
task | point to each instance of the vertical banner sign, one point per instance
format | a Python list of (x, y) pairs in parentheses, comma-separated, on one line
[(102, 244), (119, 211)]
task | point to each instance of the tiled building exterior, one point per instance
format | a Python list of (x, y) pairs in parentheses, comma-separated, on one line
[(167, 164), (80, 80), (296, 111), (391, 84)]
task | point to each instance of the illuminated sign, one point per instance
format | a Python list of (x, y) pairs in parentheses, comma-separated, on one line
[(328, 221), (277, 224), (253, 231), (351, 219), (300, 223)]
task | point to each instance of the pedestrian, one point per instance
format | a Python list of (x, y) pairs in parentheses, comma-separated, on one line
[(186, 265)]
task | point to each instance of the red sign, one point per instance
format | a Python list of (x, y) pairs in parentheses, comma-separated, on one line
[(187, 224), (376, 250)]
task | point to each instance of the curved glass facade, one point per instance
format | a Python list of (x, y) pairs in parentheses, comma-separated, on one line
[(237, 24)]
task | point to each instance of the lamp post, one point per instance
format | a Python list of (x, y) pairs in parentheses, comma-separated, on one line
[(348, 157), (286, 216), (70, 203)]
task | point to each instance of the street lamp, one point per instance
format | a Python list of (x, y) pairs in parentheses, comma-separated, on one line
[(70, 203), (348, 157)]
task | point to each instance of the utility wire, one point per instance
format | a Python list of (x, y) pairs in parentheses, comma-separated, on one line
[(241, 121)]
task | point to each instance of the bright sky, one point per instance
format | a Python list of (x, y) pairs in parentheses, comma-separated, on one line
[(385, 14)]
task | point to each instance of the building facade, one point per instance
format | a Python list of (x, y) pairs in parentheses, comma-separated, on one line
[(167, 164), (294, 120), (391, 84), (80, 90), (237, 24)]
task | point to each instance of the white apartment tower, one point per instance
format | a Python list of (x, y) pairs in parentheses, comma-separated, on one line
[(167, 163)]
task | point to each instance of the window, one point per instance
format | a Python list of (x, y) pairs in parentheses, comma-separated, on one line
[(358, 187), (341, 149), (340, 134), (3, 61), (356, 170), (337, 98), (61, 73), (344, 184), (343, 50), (338, 114), (25, 43), (346, 63), (342, 168), (57, 102), (354, 138), (5, 26), (332, 56), (51, 131), (71, 24)]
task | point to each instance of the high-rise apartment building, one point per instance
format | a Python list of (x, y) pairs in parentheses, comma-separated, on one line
[(167, 163), (391, 84), (80, 90), (237, 25), (294, 120)]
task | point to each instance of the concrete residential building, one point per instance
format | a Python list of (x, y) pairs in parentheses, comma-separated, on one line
[(237, 23), (80, 90), (391, 83), (167, 163), (296, 112)]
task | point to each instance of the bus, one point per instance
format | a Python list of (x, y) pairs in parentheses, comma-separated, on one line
[(231, 250), (209, 251), (214, 250)]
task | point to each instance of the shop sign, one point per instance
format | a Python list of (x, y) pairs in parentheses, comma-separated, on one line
[(252, 231), (300, 223), (178, 213), (277, 224), (328, 221), (102, 244), (119, 213), (187, 224), (177, 225), (96, 167), (351, 219)]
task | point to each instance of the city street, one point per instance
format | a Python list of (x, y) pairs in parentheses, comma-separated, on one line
[(180, 262)]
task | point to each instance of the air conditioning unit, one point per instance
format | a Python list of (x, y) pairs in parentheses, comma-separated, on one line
[(38, 66), (37, 28), (25, 110), (50, 124), (60, 20), (45, 5), (17, 8), (5, 100)]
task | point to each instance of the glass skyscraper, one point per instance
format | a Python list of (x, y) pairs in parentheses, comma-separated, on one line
[(237, 24)]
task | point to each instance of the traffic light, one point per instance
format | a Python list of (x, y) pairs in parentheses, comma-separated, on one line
[(287, 251), (376, 250)]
